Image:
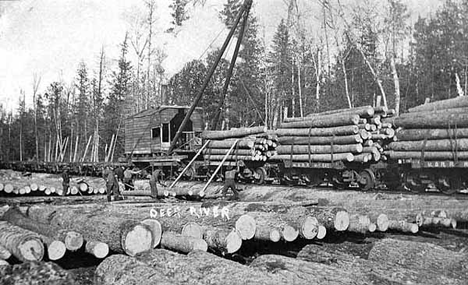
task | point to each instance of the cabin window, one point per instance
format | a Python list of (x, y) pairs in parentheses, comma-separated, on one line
[(165, 133), (155, 133)]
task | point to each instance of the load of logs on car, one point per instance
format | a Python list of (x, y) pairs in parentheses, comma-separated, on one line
[(247, 144), (355, 134)]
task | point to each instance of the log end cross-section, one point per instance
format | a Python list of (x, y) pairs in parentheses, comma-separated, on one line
[(135, 238)]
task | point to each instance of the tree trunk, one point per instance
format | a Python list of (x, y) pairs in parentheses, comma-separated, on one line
[(315, 157), (428, 155), (181, 243), (430, 134), (359, 224), (419, 255), (430, 121), (232, 133), (318, 149), (227, 143), (333, 120), (430, 145), (298, 271), (222, 240), (120, 234), (403, 226), (457, 102), (200, 268), (23, 244), (121, 269), (72, 240), (350, 139), (396, 83), (55, 249), (332, 131), (379, 270), (36, 273)]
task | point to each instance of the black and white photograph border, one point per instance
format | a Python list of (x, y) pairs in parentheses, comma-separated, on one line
[(233, 142)]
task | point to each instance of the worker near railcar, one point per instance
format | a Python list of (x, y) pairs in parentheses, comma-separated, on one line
[(128, 176), (112, 185), (119, 172), (65, 181), (230, 182), (155, 179)]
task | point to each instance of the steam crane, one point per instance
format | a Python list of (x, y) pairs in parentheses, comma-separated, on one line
[(242, 15)]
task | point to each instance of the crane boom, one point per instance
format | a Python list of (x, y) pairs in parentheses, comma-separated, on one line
[(245, 8)]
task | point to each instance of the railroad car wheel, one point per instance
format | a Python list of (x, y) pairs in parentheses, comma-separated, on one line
[(259, 175), (190, 173), (367, 181), (413, 183), (338, 183), (449, 185)]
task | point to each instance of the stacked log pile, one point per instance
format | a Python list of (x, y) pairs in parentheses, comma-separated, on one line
[(23, 187), (253, 144), (355, 134), (433, 131)]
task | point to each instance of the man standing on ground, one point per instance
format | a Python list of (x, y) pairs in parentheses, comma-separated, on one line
[(154, 179), (112, 185), (230, 182), (119, 172), (128, 178), (66, 181)]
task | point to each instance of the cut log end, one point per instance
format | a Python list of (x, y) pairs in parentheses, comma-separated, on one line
[(97, 248), (233, 242), (309, 228), (246, 227), (341, 222), (322, 232), (193, 229), (31, 250), (73, 241), (156, 230), (289, 233), (136, 239), (4, 253), (382, 223), (372, 227), (200, 244), (56, 250)]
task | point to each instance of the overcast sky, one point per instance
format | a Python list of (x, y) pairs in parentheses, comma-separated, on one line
[(50, 37)]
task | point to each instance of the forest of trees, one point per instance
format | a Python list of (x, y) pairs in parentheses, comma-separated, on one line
[(373, 50)]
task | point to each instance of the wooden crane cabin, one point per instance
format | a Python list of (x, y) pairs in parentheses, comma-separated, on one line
[(149, 133)]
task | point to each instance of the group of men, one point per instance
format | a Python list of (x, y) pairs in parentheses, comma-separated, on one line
[(125, 175)]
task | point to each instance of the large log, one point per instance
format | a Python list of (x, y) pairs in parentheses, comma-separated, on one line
[(461, 101), (227, 143), (359, 224), (298, 271), (424, 120), (97, 248), (180, 243), (319, 149), (72, 240), (326, 121), (428, 155), (36, 273), (121, 269), (363, 111), (350, 139), (200, 267), (403, 226), (316, 157), (55, 248), (120, 234), (379, 270), (224, 151), (222, 240), (431, 134), (419, 255), (430, 145), (229, 157), (23, 244), (232, 133), (332, 131)]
